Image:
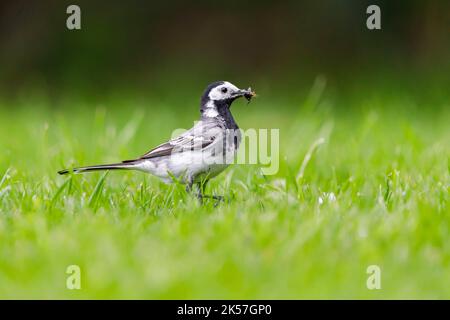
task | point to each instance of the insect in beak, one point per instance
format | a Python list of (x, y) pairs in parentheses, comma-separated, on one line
[(249, 94)]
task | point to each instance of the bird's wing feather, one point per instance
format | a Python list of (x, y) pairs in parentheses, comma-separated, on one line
[(197, 138)]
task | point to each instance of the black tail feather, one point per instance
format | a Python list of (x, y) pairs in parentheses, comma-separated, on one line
[(113, 166)]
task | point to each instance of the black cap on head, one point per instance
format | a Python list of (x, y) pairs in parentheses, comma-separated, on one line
[(211, 86)]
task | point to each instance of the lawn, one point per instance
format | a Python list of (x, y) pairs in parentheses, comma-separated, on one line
[(374, 193)]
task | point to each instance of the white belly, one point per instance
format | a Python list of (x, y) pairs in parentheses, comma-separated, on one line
[(185, 166)]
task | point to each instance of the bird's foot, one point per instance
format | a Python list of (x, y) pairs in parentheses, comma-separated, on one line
[(218, 199)]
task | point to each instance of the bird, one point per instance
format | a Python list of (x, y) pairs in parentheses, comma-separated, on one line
[(198, 154)]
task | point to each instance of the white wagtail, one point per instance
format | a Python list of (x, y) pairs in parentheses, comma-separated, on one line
[(199, 153)]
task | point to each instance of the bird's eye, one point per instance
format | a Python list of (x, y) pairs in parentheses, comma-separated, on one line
[(224, 90)]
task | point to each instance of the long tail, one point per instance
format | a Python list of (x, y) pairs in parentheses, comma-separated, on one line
[(113, 166)]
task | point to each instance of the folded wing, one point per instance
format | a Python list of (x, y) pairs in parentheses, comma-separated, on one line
[(197, 138)]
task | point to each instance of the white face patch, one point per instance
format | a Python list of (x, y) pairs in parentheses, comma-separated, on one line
[(223, 92), (211, 110)]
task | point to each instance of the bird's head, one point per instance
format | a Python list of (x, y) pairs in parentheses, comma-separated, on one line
[(221, 94)]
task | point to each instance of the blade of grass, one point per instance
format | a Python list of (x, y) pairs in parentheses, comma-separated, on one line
[(4, 177), (93, 199), (59, 191), (308, 157)]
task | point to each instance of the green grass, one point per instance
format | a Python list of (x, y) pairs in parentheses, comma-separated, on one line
[(385, 160)]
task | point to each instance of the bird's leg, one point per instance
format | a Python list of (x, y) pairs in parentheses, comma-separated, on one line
[(199, 194), (202, 188), (201, 191), (190, 189)]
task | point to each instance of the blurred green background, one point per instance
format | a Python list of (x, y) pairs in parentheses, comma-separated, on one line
[(159, 48), (375, 192)]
